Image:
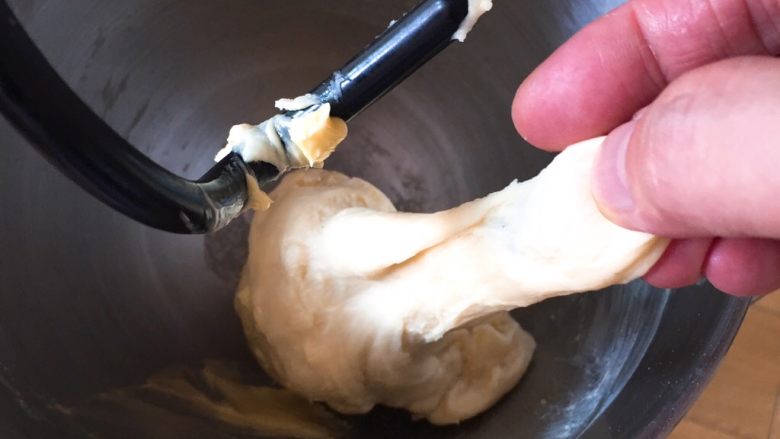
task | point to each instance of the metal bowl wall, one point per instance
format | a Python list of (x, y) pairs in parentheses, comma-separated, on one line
[(91, 301)]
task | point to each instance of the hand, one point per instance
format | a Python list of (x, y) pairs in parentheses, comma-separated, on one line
[(701, 157)]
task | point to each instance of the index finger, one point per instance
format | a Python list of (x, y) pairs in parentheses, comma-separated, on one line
[(621, 62)]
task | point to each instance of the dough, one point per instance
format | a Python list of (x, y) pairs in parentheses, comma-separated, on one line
[(346, 301), (289, 142), (298, 103), (303, 140), (476, 9)]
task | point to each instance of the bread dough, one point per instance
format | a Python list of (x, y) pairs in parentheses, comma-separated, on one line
[(476, 9), (302, 140), (289, 142), (298, 103), (347, 301)]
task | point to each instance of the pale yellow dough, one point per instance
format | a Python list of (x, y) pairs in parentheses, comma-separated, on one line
[(313, 136), (346, 301), (476, 9)]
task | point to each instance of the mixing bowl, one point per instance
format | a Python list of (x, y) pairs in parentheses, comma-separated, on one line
[(91, 301)]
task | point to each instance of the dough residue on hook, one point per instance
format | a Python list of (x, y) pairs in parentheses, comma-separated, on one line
[(295, 141), (303, 139), (476, 9)]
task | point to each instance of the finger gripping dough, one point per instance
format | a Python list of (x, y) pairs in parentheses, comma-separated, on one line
[(347, 301)]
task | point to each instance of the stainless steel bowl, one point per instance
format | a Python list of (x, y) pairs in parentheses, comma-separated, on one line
[(91, 301)]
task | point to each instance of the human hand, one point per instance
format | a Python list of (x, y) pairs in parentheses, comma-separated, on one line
[(701, 160)]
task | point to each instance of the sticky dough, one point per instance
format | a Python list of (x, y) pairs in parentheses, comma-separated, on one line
[(347, 301), (476, 9), (309, 137), (287, 142)]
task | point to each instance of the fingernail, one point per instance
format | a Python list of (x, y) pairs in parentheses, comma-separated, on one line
[(610, 182)]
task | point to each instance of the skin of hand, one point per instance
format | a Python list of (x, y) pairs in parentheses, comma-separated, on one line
[(689, 92)]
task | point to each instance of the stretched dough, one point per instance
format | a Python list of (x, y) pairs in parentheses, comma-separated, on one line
[(347, 301)]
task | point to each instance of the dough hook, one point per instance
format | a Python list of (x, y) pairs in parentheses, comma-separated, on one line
[(77, 141)]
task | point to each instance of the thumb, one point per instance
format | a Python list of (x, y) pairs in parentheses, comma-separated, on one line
[(703, 159)]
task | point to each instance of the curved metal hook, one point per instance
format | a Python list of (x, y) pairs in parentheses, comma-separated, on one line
[(77, 141)]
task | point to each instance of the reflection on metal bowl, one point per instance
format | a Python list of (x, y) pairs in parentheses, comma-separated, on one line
[(92, 302)]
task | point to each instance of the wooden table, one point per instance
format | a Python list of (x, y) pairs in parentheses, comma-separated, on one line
[(743, 399)]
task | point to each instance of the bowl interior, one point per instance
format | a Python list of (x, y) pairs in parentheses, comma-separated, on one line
[(93, 302)]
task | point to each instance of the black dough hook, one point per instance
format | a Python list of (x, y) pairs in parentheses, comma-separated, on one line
[(71, 136)]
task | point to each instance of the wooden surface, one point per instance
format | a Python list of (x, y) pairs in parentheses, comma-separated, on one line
[(743, 399)]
